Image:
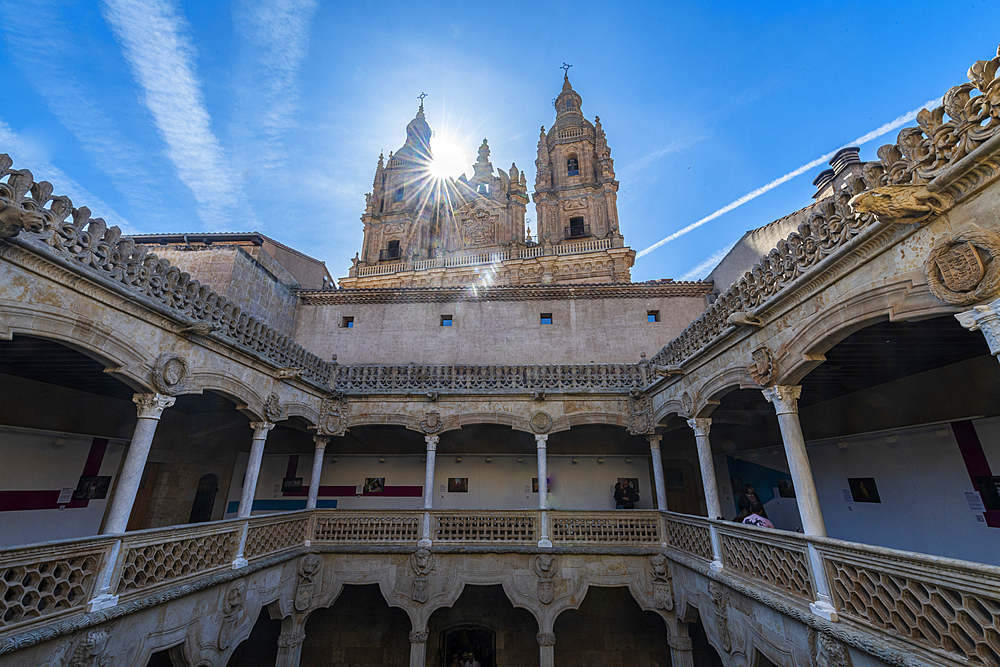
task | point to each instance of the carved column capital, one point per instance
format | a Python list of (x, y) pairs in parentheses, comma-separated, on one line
[(680, 643), (541, 439), (654, 441), (260, 429), (418, 636), (546, 638), (321, 441), (700, 425), (432, 442), (291, 640), (985, 319), (151, 406), (784, 397)]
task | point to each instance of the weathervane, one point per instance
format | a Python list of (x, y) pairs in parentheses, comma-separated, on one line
[(565, 69), (421, 97)]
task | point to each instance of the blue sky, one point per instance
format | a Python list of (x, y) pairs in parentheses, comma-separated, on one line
[(269, 115)]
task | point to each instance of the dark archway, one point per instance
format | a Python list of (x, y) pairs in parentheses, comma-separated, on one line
[(609, 628), (486, 610), (360, 629), (260, 649), (204, 499), (703, 654)]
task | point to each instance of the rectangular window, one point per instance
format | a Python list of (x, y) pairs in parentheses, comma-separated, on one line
[(546, 318), (399, 195), (653, 315), (446, 320), (347, 323)]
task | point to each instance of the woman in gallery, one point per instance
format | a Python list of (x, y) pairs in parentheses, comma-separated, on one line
[(749, 500)]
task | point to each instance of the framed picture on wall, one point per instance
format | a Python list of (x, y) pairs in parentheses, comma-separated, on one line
[(374, 484), (534, 485), (864, 490), (92, 488), (458, 485), (291, 484), (785, 488), (989, 489)]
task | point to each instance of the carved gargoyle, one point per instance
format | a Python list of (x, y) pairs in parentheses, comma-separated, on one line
[(200, 328), (743, 317), (666, 371), (14, 218), (900, 203)]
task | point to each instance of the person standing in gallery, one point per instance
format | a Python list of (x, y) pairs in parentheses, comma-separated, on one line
[(625, 495), (749, 500)]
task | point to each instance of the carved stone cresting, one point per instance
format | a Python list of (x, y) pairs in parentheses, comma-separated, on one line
[(825, 651), (421, 562), (310, 573), (232, 607), (151, 406), (785, 398), (170, 374), (431, 423), (546, 638), (545, 567), (540, 422), (272, 408), (986, 319), (663, 588), (963, 268), (333, 417), (761, 368), (901, 203), (418, 636), (720, 603)]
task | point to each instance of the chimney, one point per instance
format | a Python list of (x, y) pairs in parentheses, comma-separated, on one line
[(846, 165)]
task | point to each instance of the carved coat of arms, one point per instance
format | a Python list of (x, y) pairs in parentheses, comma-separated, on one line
[(762, 368), (478, 228), (961, 267)]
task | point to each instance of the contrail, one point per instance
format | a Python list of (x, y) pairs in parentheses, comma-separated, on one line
[(863, 139)]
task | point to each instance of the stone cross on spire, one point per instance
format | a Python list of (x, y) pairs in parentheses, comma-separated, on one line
[(421, 97), (565, 69)]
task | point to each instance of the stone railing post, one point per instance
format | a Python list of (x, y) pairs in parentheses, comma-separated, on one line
[(260, 430), (150, 407), (785, 399), (987, 320), (661, 491), (701, 427), (541, 440), (317, 472), (432, 441), (418, 648)]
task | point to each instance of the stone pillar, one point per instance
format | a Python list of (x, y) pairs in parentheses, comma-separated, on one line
[(546, 649), (418, 648), (425, 537), (290, 648), (701, 427), (260, 430), (321, 442), (681, 654), (986, 319), (654, 451), (541, 440), (150, 407), (785, 399)]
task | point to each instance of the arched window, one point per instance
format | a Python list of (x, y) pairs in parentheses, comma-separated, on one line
[(568, 104), (204, 499), (572, 166), (399, 195)]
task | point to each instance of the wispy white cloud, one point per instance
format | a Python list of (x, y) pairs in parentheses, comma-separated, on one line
[(701, 269), (46, 57), (641, 164), (158, 47), (863, 139), (26, 155), (275, 42)]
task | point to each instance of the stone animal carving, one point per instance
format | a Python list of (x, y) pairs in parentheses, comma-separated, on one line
[(742, 317), (900, 203), (14, 218), (232, 606), (544, 566), (663, 593), (309, 573), (421, 562)]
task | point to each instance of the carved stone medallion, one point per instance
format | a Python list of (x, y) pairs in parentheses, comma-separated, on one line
[(431, 423), (761, 370), (170, 374), (272, 408), (962, 268), (540, 422), (687, 403), (333, 417), (478, 228)]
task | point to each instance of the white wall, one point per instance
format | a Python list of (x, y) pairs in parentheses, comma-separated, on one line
[(501, 484), (47, 461)]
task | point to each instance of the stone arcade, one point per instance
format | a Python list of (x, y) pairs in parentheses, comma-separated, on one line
[(469, 397)]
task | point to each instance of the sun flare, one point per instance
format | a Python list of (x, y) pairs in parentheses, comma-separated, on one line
[(450, 158)]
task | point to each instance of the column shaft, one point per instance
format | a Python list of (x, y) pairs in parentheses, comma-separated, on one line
[(701, 427), (661, 491), (432, 441), (543, 489), (260, 430), (317, 471), (150, 407)]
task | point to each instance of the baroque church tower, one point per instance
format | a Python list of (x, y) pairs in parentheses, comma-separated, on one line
[(576, 194)]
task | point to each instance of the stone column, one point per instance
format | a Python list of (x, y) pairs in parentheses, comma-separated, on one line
[(701, 427), (546, 649), (431, 458), (681, 654), (986, 319), (260, 430), (541, 440), (150, 407), (418, 648), (321, 442), (785, 399), (654, 451), (290, 648)]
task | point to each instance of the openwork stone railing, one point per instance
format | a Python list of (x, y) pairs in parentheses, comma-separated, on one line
[(71, 234), (390, 379), (618, 528), (387, 527), (919, 155), (777, 558), (484, 258), (689, 534), (503, 527)]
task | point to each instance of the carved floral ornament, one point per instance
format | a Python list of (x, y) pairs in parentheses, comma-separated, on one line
[(540, 422), (272, 408), (962, 268), (170, 374), (761, 368)]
